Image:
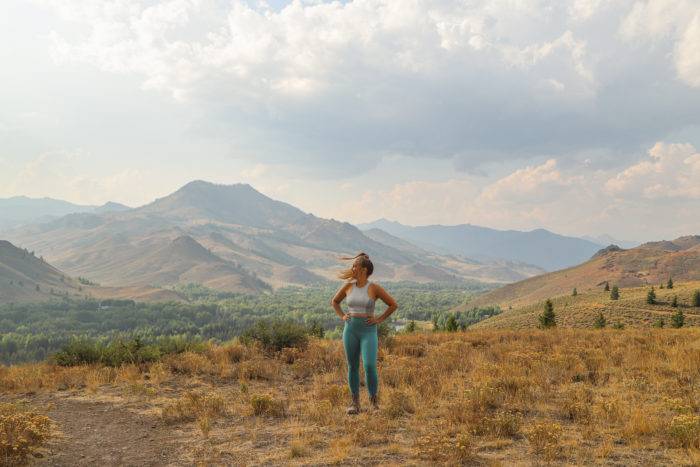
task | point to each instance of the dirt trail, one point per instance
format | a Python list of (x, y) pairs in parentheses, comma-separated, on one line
[(106, 431)]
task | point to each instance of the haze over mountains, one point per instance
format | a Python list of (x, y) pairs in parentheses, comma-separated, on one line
[(233, 238), (539, 247), (20, 210)]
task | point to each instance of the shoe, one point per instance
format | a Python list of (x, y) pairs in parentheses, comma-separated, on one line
[(374, 401), (354, 408)]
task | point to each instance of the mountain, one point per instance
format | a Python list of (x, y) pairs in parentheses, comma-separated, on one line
[(234, 238), (606, 239), (648, 264), (24, 277), (538, 247), (20, 210)]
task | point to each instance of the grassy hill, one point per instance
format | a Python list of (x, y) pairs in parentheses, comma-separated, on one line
[(481, 397), (651, 263), (581, 310)]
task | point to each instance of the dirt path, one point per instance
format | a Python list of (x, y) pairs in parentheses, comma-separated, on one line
[(106, 431)]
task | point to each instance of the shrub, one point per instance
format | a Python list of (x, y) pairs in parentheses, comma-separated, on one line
[(678, 319), (599, 322), (274, 335), (674, 302), (544, 439), (669, 285), (410, 327), (451, 325), (684, 431), (316, 329), (618, 326), (615, 293), (20, 432), (696, 298), (651, 296), (548, 318), (607, 286), (263, 404), (659, 323), (194, 406), (574, 292)]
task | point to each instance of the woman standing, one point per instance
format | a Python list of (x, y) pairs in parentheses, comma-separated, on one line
[(360, 331)]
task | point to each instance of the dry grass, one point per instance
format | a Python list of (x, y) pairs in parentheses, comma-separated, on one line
[(21, 432), (573, 396)]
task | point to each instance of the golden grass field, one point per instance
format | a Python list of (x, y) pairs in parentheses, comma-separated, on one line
[(479, 397), (580, 311)]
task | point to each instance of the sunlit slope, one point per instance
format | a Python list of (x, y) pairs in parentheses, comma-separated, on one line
[(581, 310), (651, 263)]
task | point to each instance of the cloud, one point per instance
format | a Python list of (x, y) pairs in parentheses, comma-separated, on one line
[(568, 200), (672, 171), (336, 86)]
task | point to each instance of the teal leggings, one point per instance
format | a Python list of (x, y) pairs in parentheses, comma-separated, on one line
[(361, 338)]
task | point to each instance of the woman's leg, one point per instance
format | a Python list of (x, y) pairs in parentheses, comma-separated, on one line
[(369, 344), (351, 343)]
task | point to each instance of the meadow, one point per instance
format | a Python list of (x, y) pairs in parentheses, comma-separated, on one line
[(474, 397)]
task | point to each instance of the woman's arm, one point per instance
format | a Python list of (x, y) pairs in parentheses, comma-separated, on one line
[(386, 298), (335, 302)]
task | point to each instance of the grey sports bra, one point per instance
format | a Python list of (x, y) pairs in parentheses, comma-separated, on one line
[(359, 300)]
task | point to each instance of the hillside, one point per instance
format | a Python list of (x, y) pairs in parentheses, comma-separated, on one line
[(238, 240), (26, 278), (581, 310), (482, 397), (650, 263), (538, 247)]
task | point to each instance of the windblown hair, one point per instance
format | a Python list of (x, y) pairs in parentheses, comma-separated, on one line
[(363, 261)]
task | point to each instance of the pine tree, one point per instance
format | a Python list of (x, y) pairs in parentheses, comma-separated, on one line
[(651, 296), (599, 322), (615, 293), (674, 302), (574, 293), (548, 318), (451, 325), (696, 298), (669, 285), (607, 286), (678, 319)]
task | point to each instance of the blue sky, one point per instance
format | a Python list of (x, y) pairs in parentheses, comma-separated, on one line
[(578, 116)]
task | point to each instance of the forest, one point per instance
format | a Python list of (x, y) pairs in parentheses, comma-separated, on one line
[(34, 331)]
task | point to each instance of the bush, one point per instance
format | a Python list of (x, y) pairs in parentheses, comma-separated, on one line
[(574, 292), (615, 293), (20, 432), (669, 285), (696, 298), (410, 327), (618, 326), (548, 318), (316, 329), (659, 323), (275, 335), (674, 302), (599, 322), (678, 319), (263, 404), (451, 325)]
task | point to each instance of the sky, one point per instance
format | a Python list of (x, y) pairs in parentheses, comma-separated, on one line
[(578, 116)]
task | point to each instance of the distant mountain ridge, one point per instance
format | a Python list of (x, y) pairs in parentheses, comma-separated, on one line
[(234, 238), (538, 247), (20, 210), (651, 263)]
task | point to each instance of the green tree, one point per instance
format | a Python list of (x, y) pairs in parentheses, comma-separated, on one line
[(599, 322), (674, 302), (696, 298), (607, 286), (411, 326), (615, 293), (669, 285), (574, 293), (651, 296), (451, 325), (548, 318), (678, 319)]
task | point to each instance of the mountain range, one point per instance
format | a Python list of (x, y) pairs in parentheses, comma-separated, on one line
[(234, 238), (651, 263), (20, 210), (539, 247)]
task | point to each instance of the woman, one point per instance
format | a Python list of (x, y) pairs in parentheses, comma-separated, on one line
[(360, 331)]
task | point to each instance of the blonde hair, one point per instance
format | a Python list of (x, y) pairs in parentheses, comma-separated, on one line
[(364, 262)]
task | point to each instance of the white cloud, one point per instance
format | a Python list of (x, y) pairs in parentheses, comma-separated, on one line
[(672, 170)]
